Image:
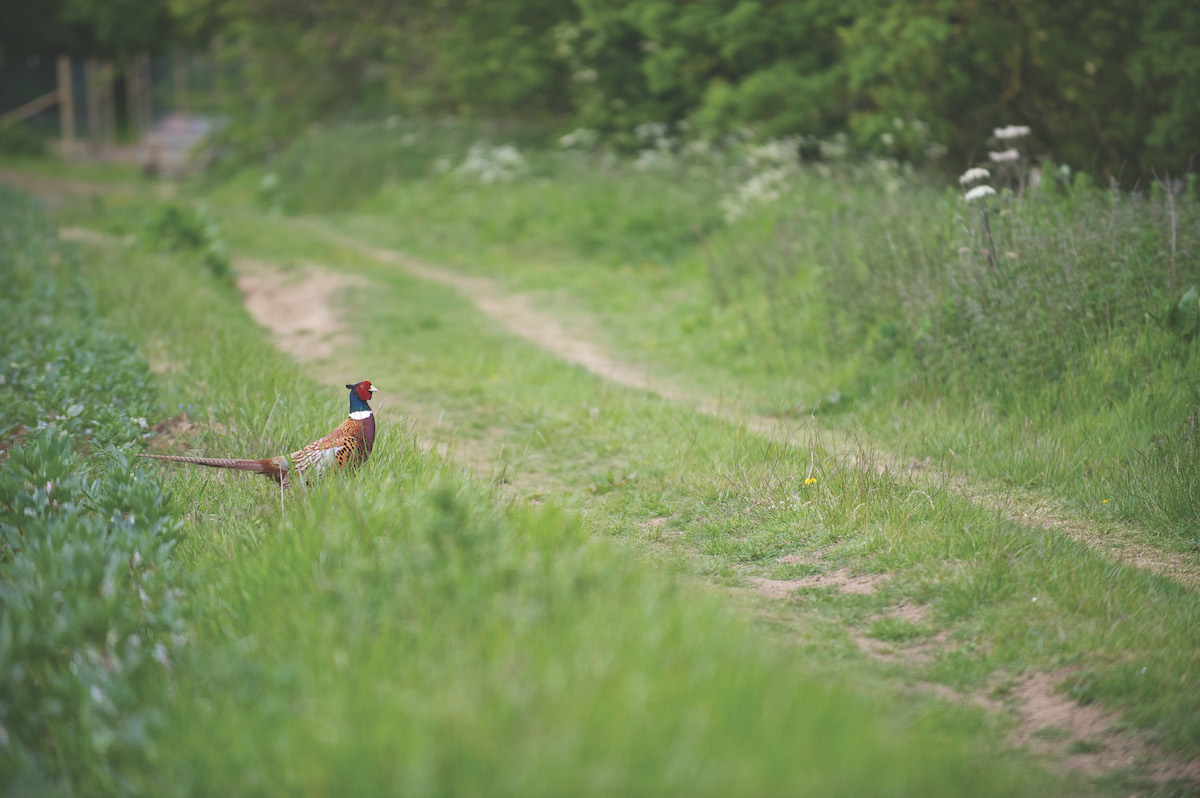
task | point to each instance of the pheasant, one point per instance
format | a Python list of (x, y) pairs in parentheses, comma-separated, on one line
[(348, 445)]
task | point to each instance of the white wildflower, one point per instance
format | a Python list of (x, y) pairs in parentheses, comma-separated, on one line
[(774, 152), (1011, 132), (141, 422), (973, 175), (160, 655), (489, 164), (835, 149), (762, 189), (1005, 156), (652, 159), (650, 131), (136, 560), (979, 192), (582, 137)]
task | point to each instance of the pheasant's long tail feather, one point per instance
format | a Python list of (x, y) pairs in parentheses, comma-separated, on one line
[(269, 466)]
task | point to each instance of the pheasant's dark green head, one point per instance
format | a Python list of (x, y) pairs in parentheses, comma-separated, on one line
[(360, 393)]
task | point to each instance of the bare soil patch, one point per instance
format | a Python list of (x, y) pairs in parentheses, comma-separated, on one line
[(841, 580), (297, 307), (1085, 736)]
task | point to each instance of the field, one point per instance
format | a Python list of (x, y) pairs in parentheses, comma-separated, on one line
[(701, 471)]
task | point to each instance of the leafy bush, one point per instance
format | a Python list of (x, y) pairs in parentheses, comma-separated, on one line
[(174, 228), (58, 365), (89, 617), (1110, 86), (88, 612)]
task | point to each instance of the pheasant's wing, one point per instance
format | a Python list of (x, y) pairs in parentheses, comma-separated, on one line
[(343, 447)]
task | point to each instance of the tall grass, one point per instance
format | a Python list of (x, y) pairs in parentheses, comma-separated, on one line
[(406, 629)]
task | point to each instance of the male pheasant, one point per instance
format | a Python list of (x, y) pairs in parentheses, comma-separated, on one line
[(348, 445)]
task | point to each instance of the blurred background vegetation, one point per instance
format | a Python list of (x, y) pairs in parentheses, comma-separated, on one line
[(1110, 87)]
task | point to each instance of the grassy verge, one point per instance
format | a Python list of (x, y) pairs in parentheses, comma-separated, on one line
[(408, 629)]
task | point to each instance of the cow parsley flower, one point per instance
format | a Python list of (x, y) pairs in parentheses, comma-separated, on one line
[(761, 189), (1006, 155), (582, 137), (1011, 132), (974, 175), (979, 192), (488, 164)]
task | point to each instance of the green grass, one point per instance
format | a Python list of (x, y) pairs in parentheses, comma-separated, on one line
[(407, 628), (420, 627)]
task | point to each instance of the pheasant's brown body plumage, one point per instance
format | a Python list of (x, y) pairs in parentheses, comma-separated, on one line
[(348, 445)]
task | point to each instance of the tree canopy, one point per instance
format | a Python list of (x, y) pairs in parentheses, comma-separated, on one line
[(1108, 85)]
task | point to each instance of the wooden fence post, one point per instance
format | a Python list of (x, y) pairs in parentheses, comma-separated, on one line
[(92, 97), (109, 73), (66, 106), (145, 91), (179, 77)]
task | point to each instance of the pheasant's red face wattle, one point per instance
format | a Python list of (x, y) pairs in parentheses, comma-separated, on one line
[(363, 389)]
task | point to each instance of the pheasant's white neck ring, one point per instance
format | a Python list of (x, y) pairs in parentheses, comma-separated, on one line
[(359, 415)]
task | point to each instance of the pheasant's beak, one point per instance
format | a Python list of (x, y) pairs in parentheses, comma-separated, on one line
[(373, 389)]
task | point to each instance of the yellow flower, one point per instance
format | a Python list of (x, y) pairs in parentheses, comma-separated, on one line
[(1104, 502), (810, 481)]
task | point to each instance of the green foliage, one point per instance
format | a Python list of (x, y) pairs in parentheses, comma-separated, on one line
[(1165, 479), (109, 28), (89, 615), (20, 140), (729, 63), (341, 167), (172, 227), (1110, 87), (59, 366), (1183, 317)]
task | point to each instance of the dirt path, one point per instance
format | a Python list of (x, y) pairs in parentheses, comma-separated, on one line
[(516, 314), (295, 306)]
